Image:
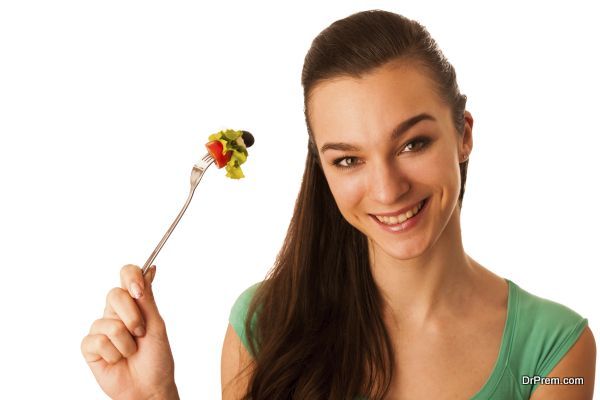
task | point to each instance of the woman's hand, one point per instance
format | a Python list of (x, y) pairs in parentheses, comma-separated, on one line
[(128, 350)]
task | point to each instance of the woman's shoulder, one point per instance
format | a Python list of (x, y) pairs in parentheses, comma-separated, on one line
[(543, 332), (542, 315), (244, 298), (239, 311)]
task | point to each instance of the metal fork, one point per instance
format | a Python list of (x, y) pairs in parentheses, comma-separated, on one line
[(197, 172)]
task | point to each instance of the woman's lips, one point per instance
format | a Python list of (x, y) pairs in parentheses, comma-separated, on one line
[(402, 211), (407, 224)]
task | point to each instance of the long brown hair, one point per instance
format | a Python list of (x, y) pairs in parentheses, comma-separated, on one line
[(317, 331)]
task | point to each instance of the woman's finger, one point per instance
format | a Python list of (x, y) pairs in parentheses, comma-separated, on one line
[(120, 305), (117, 333), (132, 280), (99, 347)]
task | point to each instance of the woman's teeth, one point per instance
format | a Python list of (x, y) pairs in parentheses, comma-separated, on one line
[(398, 219)]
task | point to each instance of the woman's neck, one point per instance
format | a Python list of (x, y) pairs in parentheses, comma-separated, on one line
[(419, 289)]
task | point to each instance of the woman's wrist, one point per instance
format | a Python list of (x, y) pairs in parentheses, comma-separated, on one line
[(169, 393)]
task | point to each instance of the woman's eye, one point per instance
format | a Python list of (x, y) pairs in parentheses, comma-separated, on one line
[(342, 162), (422, 143)]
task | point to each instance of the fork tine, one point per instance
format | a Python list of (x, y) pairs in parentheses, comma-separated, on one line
[(207, 157)]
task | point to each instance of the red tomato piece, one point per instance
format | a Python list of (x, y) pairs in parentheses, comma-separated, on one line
[(215, 148)]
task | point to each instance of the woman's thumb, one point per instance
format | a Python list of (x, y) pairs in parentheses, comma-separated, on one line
[(151, 273), (147, 302)]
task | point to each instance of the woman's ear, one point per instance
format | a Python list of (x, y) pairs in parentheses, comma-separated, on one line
[(466, 145)]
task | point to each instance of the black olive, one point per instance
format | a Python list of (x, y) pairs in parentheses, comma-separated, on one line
[(247, 138)]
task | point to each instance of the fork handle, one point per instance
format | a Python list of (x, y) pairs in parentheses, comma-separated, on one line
[(194, 180)]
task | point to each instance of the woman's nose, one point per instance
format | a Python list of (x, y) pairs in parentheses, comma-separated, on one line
[(387, 184)]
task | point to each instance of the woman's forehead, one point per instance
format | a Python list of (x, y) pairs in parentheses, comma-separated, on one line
[(399, 84), (376, 101)]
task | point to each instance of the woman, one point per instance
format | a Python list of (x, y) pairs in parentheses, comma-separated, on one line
[(372, 295)]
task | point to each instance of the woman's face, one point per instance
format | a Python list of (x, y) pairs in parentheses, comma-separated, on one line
[(386, 143)]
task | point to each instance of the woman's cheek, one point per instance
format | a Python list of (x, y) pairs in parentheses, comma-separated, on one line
[(347, 190)]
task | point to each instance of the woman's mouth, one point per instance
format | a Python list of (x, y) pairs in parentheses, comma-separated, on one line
[(401, 221)]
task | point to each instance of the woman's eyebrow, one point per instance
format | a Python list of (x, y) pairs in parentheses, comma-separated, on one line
[(396, 134)]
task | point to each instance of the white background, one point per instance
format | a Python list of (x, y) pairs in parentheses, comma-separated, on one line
[(105, 107)]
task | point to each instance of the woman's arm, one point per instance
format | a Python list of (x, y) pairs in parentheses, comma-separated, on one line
[(234, 358), (580, 361)]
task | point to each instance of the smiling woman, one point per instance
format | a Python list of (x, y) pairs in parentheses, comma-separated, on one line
[(372, 294)]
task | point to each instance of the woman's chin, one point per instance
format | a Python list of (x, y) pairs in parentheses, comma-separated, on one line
[(399, 250), (403, 254)]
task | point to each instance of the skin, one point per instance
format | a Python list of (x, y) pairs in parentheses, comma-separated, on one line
[(128, 365), (444, 311)]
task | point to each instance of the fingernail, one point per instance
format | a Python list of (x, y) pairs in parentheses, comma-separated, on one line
[(139, 331), (135, 289)]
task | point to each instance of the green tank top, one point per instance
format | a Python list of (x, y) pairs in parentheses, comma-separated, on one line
[(537, 334)]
